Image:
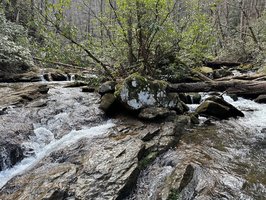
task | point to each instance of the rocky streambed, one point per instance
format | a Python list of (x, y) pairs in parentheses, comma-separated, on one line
[(57, 144)]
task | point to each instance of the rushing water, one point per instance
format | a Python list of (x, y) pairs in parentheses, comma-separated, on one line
[(224, 159), (228, 159), (44, 143)]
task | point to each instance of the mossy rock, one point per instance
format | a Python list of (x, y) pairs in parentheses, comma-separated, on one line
[(205, 70), (137, 92), (107, 101)]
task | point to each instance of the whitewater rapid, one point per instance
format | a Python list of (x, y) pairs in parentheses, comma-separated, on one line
[(43, 143)]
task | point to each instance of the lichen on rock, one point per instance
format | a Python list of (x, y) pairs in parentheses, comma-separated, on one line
[(137, 92)]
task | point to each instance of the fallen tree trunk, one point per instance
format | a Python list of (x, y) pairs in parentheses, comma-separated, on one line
[(59, 63), (219, 64), (241, 88), (251, 77)]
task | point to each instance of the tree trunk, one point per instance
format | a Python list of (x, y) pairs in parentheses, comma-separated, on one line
[(242, 88), (219, 64)]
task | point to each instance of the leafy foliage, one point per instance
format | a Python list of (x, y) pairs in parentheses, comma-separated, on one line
[(13, 46)]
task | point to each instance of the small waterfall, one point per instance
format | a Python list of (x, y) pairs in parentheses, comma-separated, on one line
[(42, 78), (72, 77), (44, 143)]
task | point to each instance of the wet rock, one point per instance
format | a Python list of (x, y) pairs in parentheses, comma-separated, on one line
[(12, 135), (190, 98), (185, 98), (194, 119), (107, 87), (58, 77), (87, 89), (38, 104), (217, 107), (10, 154), (24, 77), (3, 111), (137, 92), (77, 84), (195, 98), (261, 99), (105, 170), (107, 101), (233, 96), (47, 77), (23, 94), (154, 113), (187, 177)]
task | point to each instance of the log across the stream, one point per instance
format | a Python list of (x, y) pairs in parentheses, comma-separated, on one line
[(219, 64), (249, 88)]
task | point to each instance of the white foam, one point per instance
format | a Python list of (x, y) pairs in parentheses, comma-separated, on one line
[(43, 143)]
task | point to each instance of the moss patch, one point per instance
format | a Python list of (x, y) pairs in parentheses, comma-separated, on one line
[(173, 195)]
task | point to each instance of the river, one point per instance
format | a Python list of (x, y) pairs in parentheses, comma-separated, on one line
[(73, 150)]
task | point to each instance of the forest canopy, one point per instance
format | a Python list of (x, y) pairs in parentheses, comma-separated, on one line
[(123, 36)]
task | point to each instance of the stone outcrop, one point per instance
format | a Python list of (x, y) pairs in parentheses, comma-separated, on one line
[(217, 107), (23, 94), (21, 77)]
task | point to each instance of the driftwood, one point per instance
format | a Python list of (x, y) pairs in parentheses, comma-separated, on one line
[(219, 64), (242, 88)]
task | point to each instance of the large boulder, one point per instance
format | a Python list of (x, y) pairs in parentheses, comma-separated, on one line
[(217, 107), (136, 93)]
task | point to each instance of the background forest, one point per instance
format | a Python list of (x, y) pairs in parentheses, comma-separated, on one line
[(123, 36)]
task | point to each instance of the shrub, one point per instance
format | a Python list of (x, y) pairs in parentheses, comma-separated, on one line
[(14, 51)]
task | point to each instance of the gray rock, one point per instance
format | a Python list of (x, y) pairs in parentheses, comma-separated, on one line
[(107, 87), (195, 98), (261, 99), (153, 113), (87, 89), (58, 77), (21, 77), (10, 154), (107, 101), (217, 107)]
